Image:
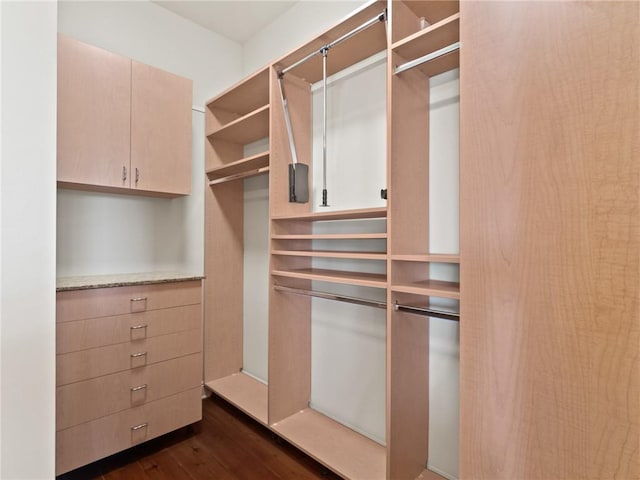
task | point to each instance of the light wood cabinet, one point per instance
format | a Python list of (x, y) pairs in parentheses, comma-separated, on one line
[(94, 115), (122, 126), (128, 367), (160, 130)]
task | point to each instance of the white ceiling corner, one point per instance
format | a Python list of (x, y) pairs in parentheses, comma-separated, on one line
[(238, 20)]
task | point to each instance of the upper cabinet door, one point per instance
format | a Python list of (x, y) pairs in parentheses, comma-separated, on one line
[(160, 131), (94, 102)]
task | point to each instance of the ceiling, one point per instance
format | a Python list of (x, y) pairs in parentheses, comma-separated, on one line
[(238, 20)]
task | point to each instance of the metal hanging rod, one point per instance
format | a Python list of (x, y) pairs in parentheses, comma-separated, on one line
[(250, 173), (429, 312), (427, 58), (378, 18), (331, 296)]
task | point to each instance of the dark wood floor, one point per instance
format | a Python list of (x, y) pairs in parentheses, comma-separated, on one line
[(226, 444)]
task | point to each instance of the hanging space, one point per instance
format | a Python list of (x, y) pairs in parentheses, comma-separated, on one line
[(328, 251), (237, 244), (424, 290)]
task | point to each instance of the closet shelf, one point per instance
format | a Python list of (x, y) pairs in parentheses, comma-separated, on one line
[(244, 392), (434, 11), (245, 96), (332, 236), (428, 258), (430, 39), (332, 254), (429, 288), (357, 214), (376, 280), (339, 448), (238, 176), (246, 129), (243, 165)]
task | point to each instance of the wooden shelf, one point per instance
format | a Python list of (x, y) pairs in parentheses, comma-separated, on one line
[(244, 392), (243, 165), (430, 475), (339, 448), (332, 236), (239, 176), (332, 254), (246, 129), (369, 42), (245, 96), (428, 258), (376, 280), (433, 10), (430, 39), (429, 288), (357, 214)]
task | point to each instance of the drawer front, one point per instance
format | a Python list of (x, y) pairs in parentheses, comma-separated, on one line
[(99, 332), (95, 362), (85, 443), (82, 402), (103, 302)]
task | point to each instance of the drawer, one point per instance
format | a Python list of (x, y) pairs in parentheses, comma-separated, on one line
[(81, 402), (99, 332), (95, 362), (85, 443), (102, 302)]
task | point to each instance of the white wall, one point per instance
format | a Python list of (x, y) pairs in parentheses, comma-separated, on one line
[(27, 260), (108, 233), (303, 21)]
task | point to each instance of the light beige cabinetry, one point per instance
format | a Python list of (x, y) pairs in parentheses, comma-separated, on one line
[(548, 259), (94, 115), (128, 367), (122, 125)]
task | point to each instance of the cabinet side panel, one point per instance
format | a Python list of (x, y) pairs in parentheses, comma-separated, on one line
[(94, 102), (409, 164), (224, 255), (550, 240)]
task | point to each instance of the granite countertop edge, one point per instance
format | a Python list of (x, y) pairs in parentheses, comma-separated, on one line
[(64, 284)]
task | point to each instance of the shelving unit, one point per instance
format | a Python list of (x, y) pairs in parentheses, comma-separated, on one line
[(235, 118), (392, 239)]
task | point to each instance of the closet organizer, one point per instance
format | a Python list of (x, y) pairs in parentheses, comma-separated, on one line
[(420, 40)]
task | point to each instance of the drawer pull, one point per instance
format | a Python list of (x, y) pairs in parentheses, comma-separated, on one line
[(139, 299), (139, 354), (139, 387), (138, 427), (138, 327)]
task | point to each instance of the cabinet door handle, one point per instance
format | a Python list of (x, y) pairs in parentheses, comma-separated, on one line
[(138, 327), (137, 175), (124, 173), (139, 299), (139, 387), (139, 354), (138, 427)]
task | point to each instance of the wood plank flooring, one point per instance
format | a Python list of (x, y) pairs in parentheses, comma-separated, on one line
[(226, 444)]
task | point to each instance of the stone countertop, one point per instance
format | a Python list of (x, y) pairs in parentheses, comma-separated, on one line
[(122, 280)]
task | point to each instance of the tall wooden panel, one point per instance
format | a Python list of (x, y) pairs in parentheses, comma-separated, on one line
[(94, 100), (550, 240), (160, 130)]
